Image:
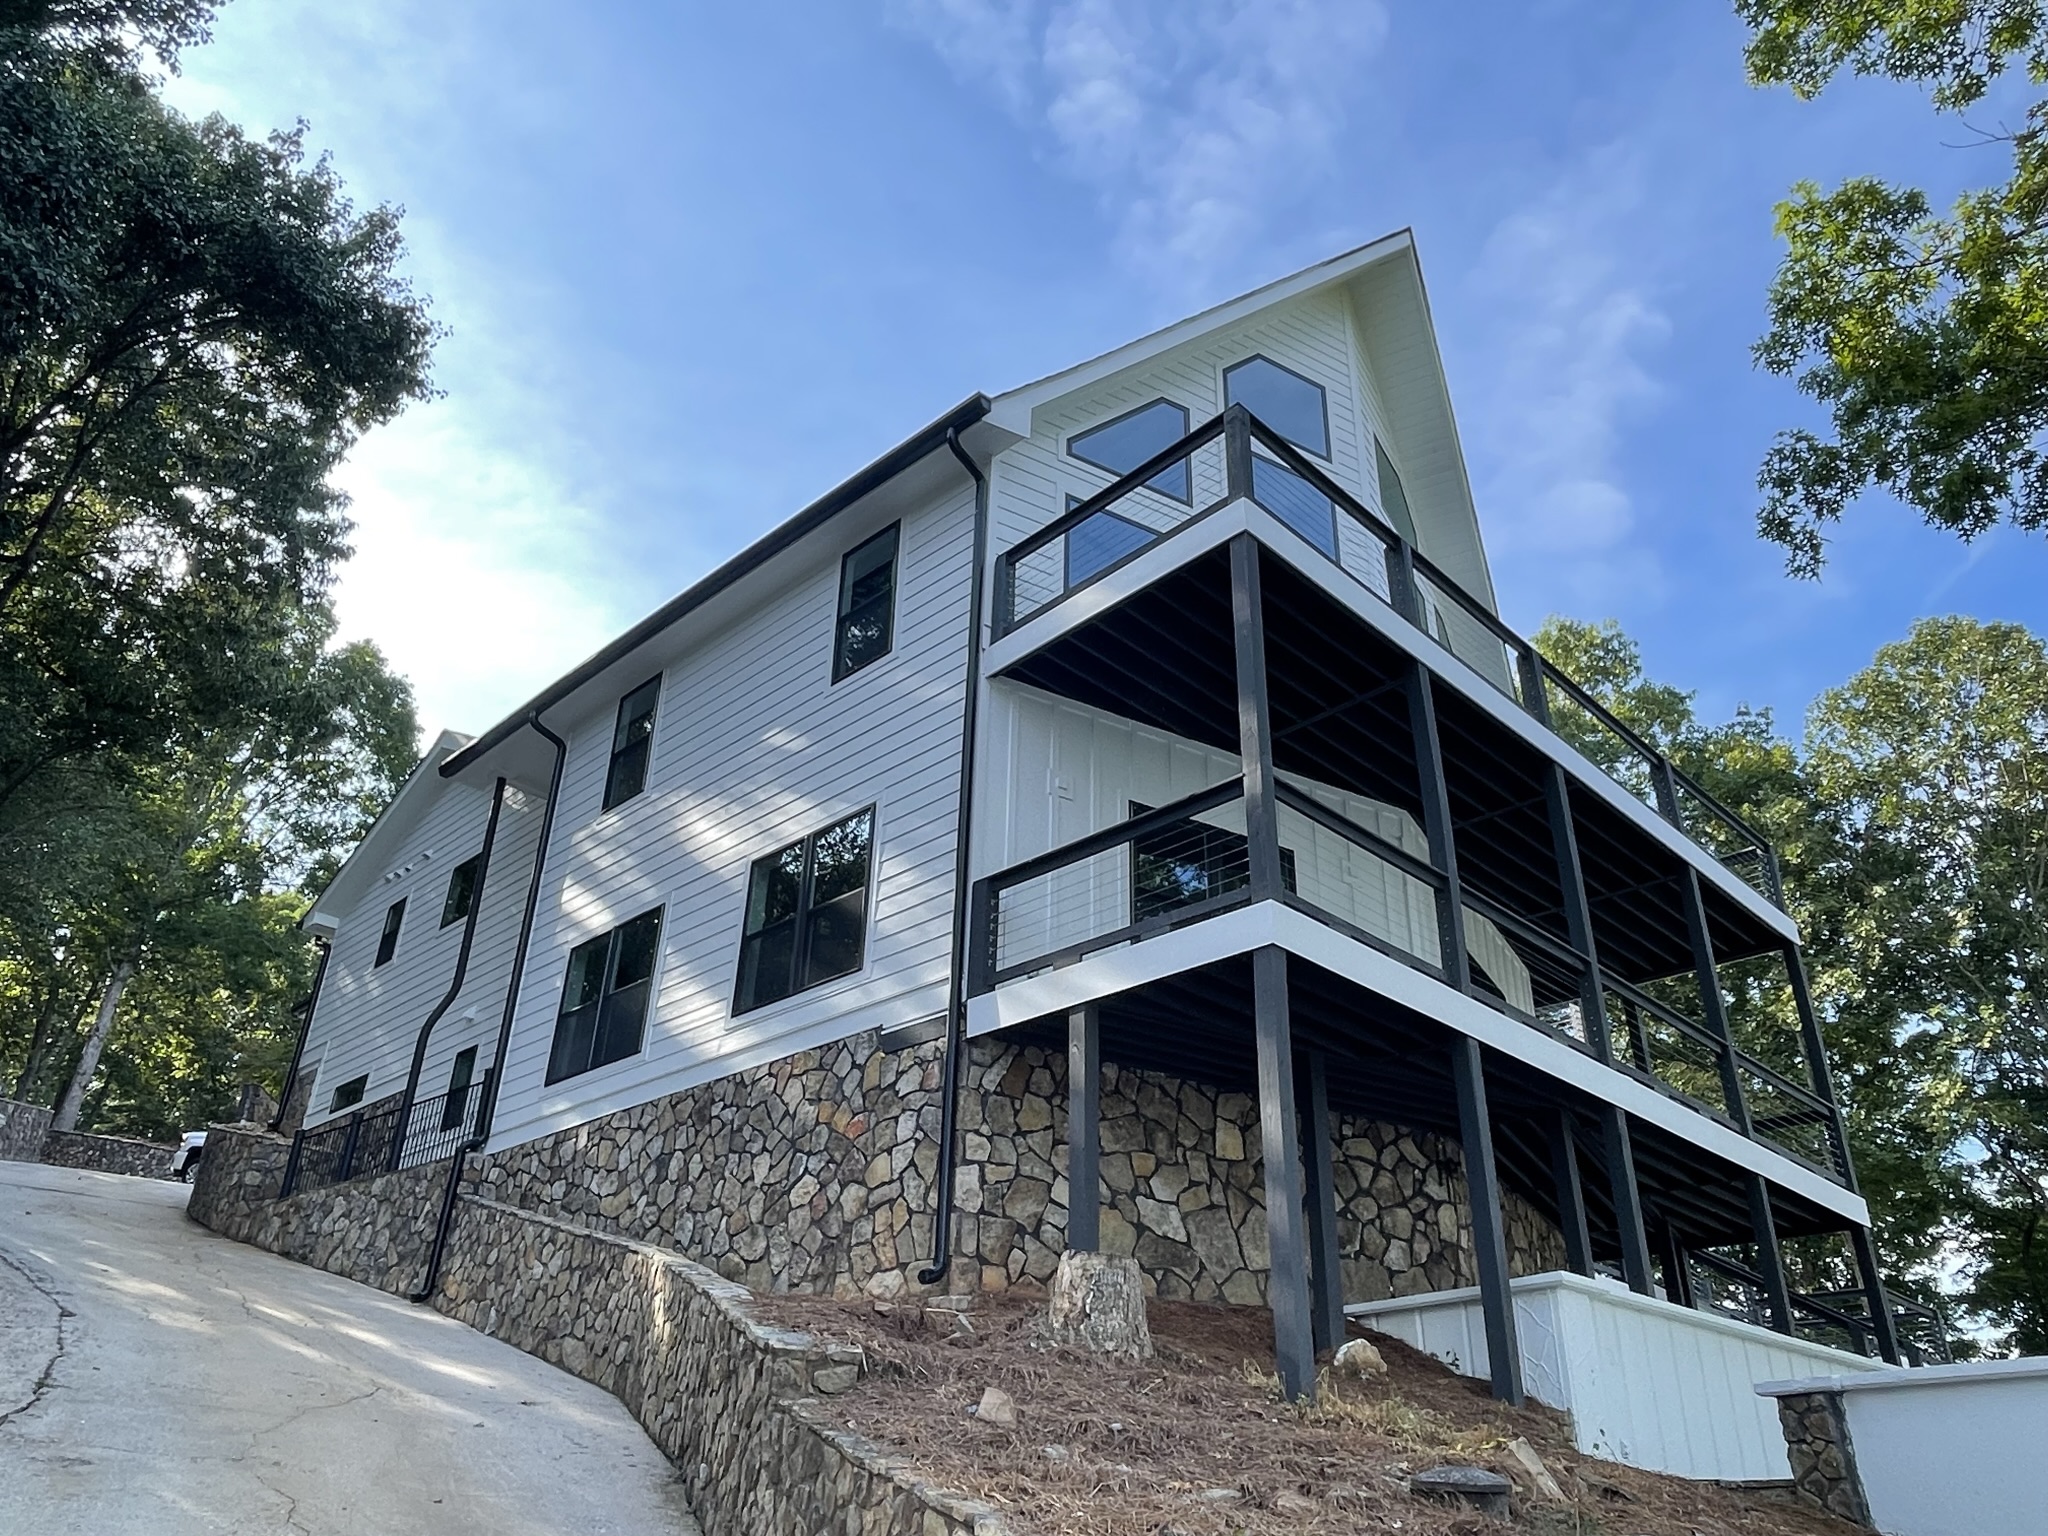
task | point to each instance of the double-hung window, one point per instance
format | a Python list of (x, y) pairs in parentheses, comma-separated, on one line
[(461, 891), (632, 741), (807, 913), (866, 626), (604, 998), (387, 941)]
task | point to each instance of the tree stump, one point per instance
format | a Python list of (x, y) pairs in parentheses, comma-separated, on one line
[(1098, 1303)]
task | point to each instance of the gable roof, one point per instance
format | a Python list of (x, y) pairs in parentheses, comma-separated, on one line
[(422, 787)]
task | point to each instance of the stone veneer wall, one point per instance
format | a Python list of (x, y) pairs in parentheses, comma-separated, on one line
[(814, 1173), (22, 1129), (1823, 1460), (108, 1154), (735, 1404)]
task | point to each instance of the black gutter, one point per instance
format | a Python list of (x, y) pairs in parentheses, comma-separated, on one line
[(891, 464), (291, 1073), (469, 921), (487, 1108), (956, 986)]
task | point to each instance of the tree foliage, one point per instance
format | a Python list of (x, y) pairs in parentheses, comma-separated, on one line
[(195, 327), (1924, 334), (1912, 825)]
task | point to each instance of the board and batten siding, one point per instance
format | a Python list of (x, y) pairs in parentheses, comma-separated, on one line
[(367, 1016), (754, 746), (1059, 770)]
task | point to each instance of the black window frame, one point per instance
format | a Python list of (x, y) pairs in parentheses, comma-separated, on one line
[(1152, 536), (632, 744), (349, 1094), (387, 941), (761, 934), (847, 611), (1399, 515), (1322, 396), (1186, 494), (461, 890), (600, 1042), (461, 1076)]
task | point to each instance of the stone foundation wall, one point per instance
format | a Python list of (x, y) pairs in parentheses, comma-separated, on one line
[(375, 1230), (108, 1154), (737, 1405), (814, 1173), (1823, 1460), (23, 1128)]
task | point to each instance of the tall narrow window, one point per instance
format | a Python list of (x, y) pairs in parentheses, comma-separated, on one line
[(455, 1108), (461, 891), (1393, 498), (807, 913), (1123, 444), (1291, 405), (387, 941), (632, 740), (867, 605), (604, 998)]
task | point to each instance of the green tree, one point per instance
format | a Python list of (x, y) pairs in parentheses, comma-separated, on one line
[(1922, 333), (194, 329)]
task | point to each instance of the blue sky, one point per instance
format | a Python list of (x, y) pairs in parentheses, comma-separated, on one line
[(701, 262)]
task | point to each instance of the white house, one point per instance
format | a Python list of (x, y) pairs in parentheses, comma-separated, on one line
[(1148, 729)]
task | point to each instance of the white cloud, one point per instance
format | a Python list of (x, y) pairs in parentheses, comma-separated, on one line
[(1569, 323), (1193, 121)]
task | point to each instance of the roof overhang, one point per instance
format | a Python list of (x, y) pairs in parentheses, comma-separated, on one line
[(422, 787)]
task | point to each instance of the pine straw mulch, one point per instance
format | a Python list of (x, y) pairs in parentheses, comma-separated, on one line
[(1198, 1442)]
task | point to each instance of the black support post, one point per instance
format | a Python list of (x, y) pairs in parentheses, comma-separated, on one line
[(1628, 1199), (1818, 1073), (1255, 719), (1874, 1296), (1436, 821), (1712, 1004), (1571, 1193), (1677, 1272), (1287, 1282), (1084, 1129), (1489, 1229), (1578, 912), (1769, 1262), (1312, 1096)]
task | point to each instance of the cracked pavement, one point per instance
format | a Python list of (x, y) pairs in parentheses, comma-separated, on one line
[(159, 1380)]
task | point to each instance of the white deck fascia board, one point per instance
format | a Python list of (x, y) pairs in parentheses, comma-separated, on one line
[(1233, 933), (2025, 1368), (1205, 532), (1012, 410)]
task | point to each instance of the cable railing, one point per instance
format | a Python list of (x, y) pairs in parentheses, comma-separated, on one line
[(1840, 1319), (1236, 455)]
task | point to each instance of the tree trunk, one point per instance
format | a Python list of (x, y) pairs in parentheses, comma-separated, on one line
[(38, 1045), (89, 1060), (1098, 1303)]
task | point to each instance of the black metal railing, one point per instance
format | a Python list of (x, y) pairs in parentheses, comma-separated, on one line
[(1235, 455), (1840, 1319), (1177, 864), (370, 1140)]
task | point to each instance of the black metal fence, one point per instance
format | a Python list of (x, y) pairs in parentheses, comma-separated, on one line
[(371, 1141), (1217, 463)]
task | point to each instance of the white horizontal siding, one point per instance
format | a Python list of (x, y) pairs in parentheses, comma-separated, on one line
[(754, 747), (368, 1016)]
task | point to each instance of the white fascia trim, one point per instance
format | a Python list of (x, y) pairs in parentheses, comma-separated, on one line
[(1893, 1378), (1210, 529), (398, 817), (1012, 411), (1233, 933)]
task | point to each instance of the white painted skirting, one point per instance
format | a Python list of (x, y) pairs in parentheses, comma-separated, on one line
[(1646, 1382)]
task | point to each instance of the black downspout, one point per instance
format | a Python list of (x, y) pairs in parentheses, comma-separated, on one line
[(956, 989), (495, 1079), (291, 1073), (476, 906)]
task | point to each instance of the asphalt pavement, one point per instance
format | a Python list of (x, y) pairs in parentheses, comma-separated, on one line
[(158, 1380)]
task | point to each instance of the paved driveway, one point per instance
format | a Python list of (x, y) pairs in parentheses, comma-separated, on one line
[(159, 1380)]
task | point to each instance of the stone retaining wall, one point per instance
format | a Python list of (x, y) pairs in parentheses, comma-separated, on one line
[(1823, 1460), (108, 1154), (23, 1128), (737, 1405), (814, 1173)]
